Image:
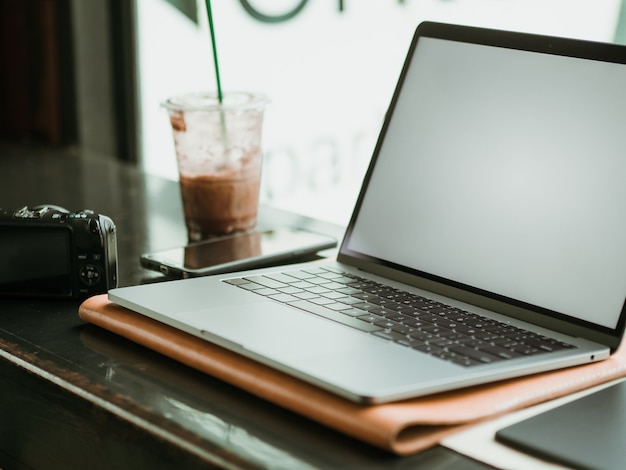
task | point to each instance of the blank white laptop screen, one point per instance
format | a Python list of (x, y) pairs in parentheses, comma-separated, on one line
[(512, 177)]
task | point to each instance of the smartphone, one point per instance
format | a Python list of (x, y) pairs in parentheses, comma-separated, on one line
[(248, 250)]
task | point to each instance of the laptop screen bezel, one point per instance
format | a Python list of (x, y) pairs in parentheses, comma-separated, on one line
[(567, 47)]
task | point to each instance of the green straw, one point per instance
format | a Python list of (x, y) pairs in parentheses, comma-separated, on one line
[(215, 62), (220, 96)]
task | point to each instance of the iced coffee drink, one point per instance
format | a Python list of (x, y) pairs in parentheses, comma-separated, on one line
[(218, 149)]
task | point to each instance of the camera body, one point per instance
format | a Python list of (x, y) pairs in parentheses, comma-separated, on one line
[(48, 251)]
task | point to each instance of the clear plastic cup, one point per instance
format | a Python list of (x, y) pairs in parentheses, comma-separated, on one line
[(218, 150)]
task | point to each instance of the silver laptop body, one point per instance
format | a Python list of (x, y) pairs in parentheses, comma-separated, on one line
[(496, 189)]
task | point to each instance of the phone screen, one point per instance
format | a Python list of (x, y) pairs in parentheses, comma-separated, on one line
[(250, 249)]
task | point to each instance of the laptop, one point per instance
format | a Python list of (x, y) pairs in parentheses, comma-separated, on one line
[(488, 240)]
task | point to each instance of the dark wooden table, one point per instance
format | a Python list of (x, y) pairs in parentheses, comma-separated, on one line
[(75, 396)]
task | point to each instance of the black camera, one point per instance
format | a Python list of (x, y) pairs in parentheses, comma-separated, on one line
[(48, 251)]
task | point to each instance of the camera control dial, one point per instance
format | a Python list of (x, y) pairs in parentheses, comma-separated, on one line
[(90, 274)]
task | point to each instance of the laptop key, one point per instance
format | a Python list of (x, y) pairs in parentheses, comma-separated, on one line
[(290, 290), (387, 324), (321, 300), (546, 345), (280, 277), (460, 360), (349, 300), (318, 290), (302, 275), (335, 316), (475, 354), (371, 318), (302, 285), (334, 295), (236, 281), (282, 297), (427, 348), (266, 281), (408, 341), (365, 306), (348, 290), (251, 286), (404, 329), (526, 350), (389, 335), (266, 291), (306, 295), (353, 312), (499, 352), (338, 306)]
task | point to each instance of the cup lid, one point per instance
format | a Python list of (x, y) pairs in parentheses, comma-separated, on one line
[(206, 101)]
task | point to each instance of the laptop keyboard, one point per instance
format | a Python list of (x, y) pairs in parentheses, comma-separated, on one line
[(446, 332)]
